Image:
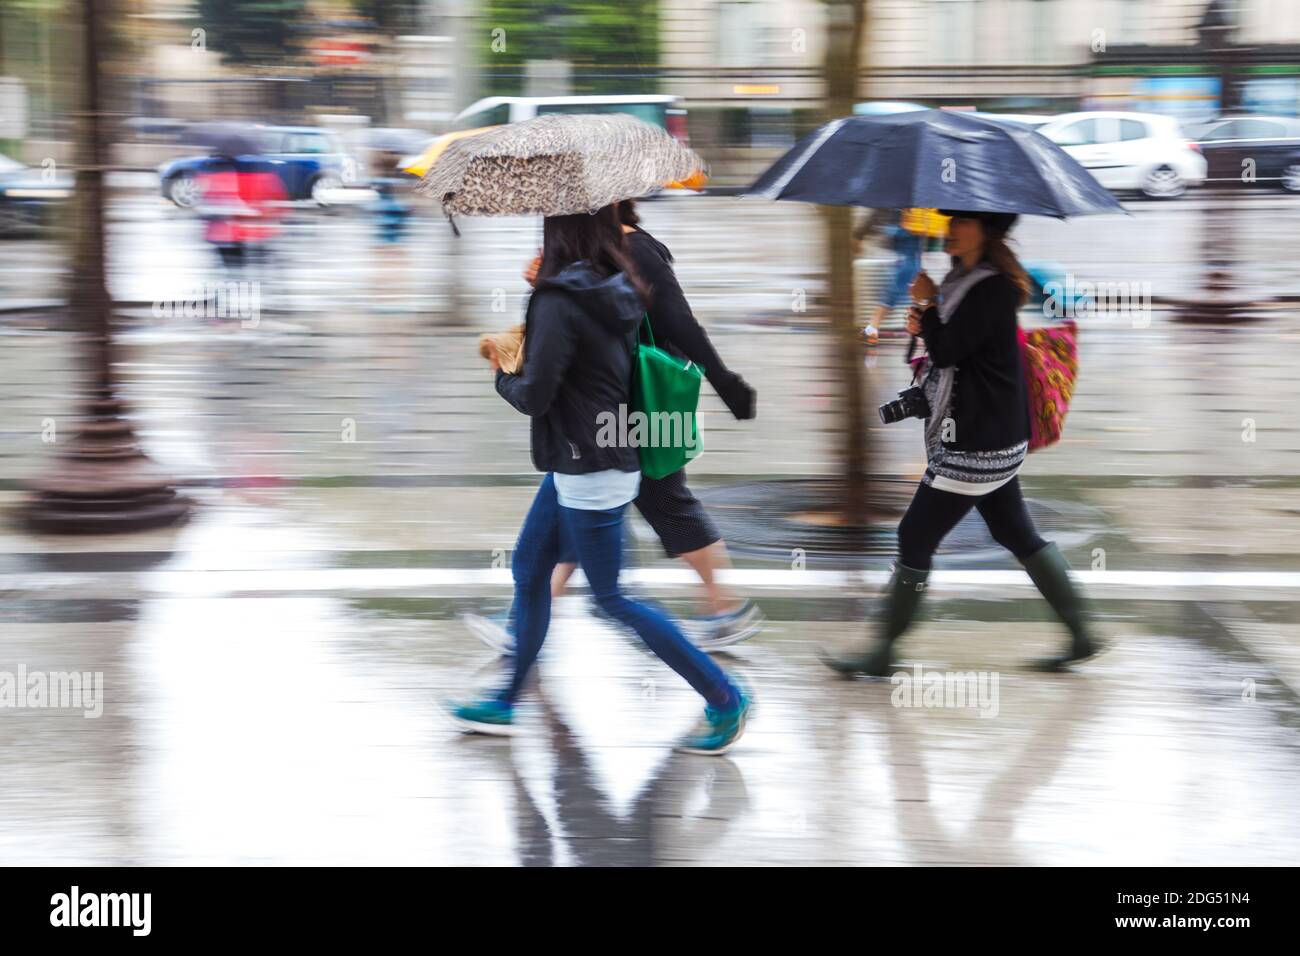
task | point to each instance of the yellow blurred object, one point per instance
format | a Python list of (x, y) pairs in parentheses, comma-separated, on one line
[(924, 222), (696, 180), (438, 146)]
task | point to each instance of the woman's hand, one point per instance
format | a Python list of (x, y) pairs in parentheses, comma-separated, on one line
[(923, 287), (530, 273), (914, 321)]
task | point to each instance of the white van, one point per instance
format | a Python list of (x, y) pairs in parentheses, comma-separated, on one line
[(662, 110)]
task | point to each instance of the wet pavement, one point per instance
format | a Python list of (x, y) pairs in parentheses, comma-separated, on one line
[(305, 730), (271, 670)]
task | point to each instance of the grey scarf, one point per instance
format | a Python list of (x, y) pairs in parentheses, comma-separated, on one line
[(937, 382)]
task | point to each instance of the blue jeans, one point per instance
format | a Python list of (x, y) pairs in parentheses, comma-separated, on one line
[(908, 249), (597, 537)]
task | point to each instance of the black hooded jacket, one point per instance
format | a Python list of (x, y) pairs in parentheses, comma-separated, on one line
[(579, 334)]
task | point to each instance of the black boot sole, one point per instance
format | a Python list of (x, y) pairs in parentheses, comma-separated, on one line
[(849, 670), (1064, 665)]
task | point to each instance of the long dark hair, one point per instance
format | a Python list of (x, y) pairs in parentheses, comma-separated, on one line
[(997, 250), (627, 213), (596, 238), (1001, 256)]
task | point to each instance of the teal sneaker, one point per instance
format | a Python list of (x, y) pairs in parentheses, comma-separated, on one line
[(718, 730), (486, 716)]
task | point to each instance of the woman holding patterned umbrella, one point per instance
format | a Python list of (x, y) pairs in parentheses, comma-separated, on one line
[(580, 336), (679, 519)]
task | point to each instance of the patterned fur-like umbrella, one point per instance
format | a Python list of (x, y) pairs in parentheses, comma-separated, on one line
[(557, 165)]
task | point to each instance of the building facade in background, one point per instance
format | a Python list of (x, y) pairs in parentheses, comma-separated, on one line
[(749, 71), (1012, 55)]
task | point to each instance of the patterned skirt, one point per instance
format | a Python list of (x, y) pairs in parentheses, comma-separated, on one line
[(972, 472)]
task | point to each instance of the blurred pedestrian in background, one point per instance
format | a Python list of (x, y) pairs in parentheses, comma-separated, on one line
[(392, 212), (390, 208), (977, 428), (908, 233), (581, 329), (240, 203), (678, 518)]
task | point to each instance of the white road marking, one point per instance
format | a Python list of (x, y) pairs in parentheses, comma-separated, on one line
[(1160, 585)]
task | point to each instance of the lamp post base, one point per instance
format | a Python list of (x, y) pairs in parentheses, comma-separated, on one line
[(103, 482)]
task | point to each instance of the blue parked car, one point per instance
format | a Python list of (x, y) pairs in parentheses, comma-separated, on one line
[(310, 161), (28, 196)]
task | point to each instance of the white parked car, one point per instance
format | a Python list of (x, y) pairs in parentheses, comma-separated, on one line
[(1142, 151), (1032, 120)]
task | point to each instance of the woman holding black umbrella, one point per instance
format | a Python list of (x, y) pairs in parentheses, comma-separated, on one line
[(974, 394), (977, 433)]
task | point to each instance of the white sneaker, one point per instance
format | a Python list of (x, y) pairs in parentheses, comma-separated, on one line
[(714, 633), (492, 631)]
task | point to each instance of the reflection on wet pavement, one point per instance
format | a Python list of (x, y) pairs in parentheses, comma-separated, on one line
[(306, 730)]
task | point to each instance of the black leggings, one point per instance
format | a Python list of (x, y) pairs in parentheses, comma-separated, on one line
[(933, 513)]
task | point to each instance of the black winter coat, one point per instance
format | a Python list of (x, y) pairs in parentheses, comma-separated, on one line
[(580, 329), (990, 405), (676, 328)]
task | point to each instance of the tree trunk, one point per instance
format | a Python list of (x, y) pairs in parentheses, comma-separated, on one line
[(846, 26)]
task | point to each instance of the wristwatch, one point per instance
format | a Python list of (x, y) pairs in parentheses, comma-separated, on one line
[(924, 304)]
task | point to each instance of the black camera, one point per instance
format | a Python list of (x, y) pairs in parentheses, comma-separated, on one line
[(910, 403)]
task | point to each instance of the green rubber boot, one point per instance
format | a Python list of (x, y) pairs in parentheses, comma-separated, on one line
[(902, 596), (1050, 573)]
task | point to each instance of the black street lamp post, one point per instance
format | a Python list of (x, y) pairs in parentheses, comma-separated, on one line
[(101, 480)]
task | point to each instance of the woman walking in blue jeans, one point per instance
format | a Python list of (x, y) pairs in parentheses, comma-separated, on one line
[(580, 334)]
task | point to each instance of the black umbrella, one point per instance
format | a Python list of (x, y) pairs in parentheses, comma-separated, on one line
[(226, 139), (935, 159)]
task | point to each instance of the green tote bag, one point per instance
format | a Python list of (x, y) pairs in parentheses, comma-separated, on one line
[(666, 392)]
